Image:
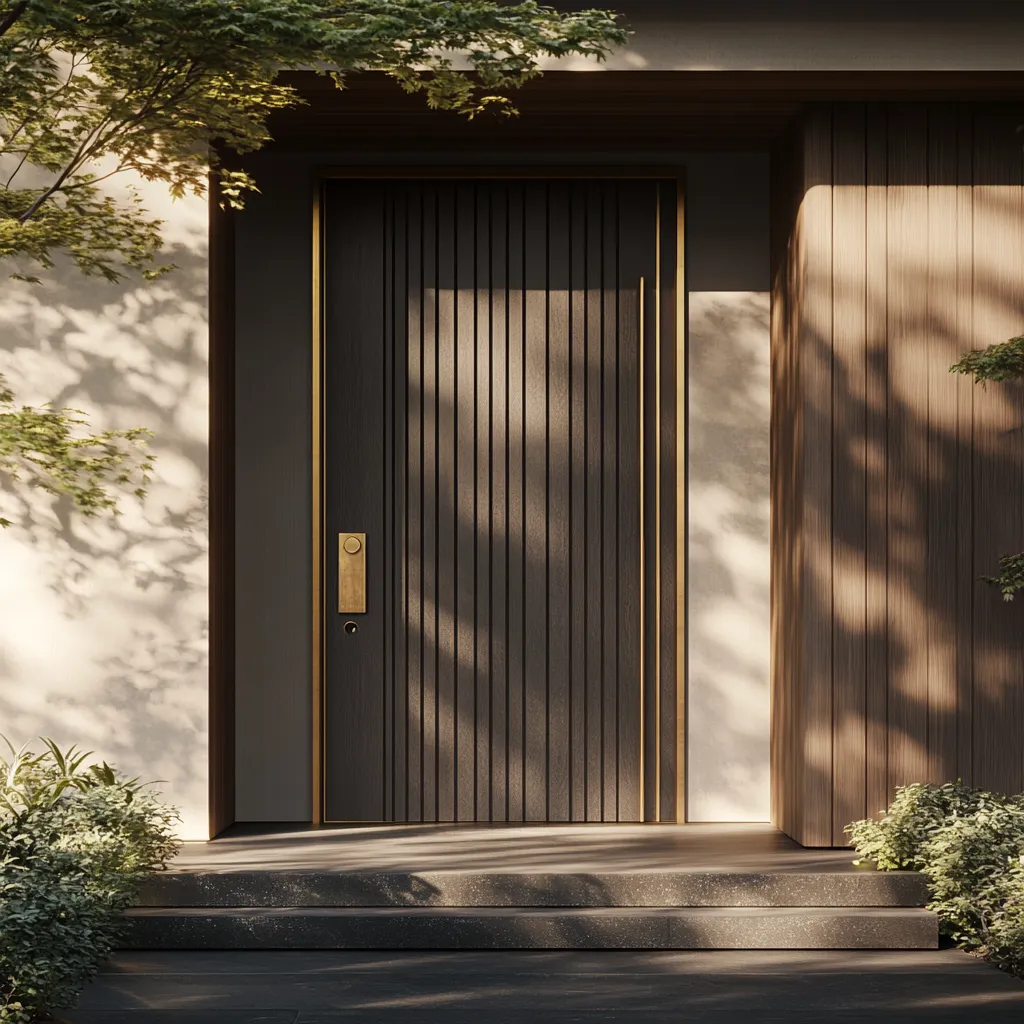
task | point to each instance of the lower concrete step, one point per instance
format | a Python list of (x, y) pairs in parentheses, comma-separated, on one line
[(532, 928), (846, 888)]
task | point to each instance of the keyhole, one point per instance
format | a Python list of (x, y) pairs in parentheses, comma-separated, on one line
[(351, 627)]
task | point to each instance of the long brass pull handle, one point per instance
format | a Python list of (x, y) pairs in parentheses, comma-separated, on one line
[(643, 553), (352, 573)]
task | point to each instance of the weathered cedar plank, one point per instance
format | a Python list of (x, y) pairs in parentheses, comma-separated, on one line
[(815, 311), (876, 446), (942, 528), (965, 395), (908, 417), (849, 454)]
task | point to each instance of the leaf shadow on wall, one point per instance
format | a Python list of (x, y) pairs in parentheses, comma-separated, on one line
[(105, 639), (913, 484), (728, 557)]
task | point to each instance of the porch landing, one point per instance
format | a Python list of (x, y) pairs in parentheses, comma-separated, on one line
[(509, 848), (543, 887)]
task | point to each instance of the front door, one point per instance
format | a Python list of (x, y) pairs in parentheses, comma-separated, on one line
[(492, 385)]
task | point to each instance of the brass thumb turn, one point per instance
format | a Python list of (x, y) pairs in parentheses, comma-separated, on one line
[(352, 573)]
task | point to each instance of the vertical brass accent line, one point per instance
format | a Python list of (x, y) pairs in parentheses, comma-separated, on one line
[(681, 504), (657, 504), (643, 574), (318, 626)]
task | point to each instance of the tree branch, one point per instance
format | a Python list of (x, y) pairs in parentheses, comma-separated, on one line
[(80, 156), (12, 16)]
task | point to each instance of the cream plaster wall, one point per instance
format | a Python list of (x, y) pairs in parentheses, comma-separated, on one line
[(728, 605), (103, 622)]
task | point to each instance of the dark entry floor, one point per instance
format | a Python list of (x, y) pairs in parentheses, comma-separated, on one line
[(526, 848), (548, 988)]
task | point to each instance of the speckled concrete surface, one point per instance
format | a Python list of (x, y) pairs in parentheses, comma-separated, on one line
[(534, 928), (658, 888), (536, 887), (548, 988)]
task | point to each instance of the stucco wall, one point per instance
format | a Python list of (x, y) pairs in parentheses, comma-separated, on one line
[(728, 560), (727, 276), (103, 631)]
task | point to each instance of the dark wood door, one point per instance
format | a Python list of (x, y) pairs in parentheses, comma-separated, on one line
[(484, 414)]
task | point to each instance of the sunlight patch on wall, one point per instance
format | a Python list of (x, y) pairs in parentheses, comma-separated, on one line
[(103, 641), (728, 564)]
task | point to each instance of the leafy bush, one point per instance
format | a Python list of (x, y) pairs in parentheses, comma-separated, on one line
[(999, 363), (970, 846), (76, 840), (1011, 575)]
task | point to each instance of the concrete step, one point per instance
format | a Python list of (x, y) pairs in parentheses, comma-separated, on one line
[(532, 928), (845, 888)]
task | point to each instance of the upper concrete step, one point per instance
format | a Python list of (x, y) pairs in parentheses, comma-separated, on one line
[(514, 928), (535, 889)]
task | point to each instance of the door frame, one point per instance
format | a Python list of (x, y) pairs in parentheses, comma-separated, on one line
[(670, 439)]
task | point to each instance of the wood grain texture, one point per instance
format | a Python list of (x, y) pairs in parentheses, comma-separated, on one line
[(483, 395), (906, 376), (876, 354), (815, 341), (850, 459), (964, 485), (941, 506), (926, 260)]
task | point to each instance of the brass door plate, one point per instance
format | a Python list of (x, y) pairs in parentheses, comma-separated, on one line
[(351, 573)]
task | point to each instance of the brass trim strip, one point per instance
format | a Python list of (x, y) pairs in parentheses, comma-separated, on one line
[(477, 172), (643, 553), (318, 558), (681, 485), (657, 504)]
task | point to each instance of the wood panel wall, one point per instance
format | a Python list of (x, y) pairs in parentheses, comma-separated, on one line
[(898, 244)]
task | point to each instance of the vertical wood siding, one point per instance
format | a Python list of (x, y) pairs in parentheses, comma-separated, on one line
[(898, 244)]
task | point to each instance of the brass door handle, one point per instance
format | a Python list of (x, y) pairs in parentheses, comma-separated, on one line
[(352, 573)]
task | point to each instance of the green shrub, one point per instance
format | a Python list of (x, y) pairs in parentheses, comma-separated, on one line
[(76, 840), (970, 846), (896, 841)]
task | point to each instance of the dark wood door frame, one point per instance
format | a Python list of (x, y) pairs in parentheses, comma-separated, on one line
[(664, 575), (221, 695)]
